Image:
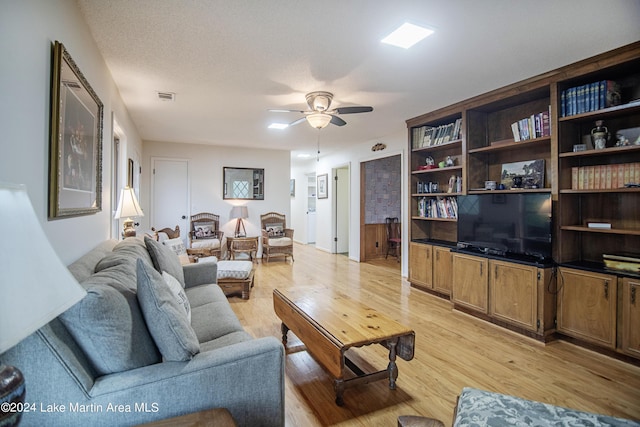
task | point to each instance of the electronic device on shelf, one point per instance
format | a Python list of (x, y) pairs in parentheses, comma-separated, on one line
[(510, 225)]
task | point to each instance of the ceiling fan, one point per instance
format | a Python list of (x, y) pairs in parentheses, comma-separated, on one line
[(319, 115)]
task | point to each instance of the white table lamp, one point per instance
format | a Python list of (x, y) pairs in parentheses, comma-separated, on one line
[(128, 207), (35, 286), (240, 212)]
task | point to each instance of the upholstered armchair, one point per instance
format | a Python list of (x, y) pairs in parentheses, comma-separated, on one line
[(277, 239), (205, 237)]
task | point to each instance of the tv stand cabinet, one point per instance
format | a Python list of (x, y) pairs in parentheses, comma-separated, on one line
[(518, 296)]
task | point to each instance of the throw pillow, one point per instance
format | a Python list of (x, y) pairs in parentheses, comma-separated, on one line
[(108, 325), (203, 230), (164, 259), (275, 230), (178, 293), (177, 246), (165, 318)]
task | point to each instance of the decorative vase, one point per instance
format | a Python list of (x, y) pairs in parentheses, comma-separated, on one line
[(600, 135)]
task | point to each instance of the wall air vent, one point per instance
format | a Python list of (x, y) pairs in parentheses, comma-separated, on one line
[(167, 96)]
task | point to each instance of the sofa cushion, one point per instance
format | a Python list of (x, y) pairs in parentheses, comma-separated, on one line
[(164, 259), (211, 314), (165, 318), (205, 244), (108, 325), (280, 241)]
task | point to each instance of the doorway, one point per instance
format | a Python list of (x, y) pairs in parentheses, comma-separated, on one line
[(170, 195), (341, 212)]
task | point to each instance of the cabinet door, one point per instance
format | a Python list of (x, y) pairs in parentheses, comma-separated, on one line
[(513, 293), (631, 316), (587, 306), (420, 265), (442, 270), (470, 284)]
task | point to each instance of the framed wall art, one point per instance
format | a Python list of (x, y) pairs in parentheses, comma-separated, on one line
[(323, 192), (528, 174), (75, 160)]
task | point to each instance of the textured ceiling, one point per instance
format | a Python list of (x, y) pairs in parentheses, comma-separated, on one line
[(229, 61)]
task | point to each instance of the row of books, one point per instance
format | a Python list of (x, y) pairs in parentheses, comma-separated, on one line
[(440, 207), (590, 97), (605, 177), (534, 126), (427, 136)]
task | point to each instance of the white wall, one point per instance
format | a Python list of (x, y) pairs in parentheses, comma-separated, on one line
[(205, 177), (27, 30)]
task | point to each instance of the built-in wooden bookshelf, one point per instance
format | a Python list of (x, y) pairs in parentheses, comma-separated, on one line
[(592, 216)]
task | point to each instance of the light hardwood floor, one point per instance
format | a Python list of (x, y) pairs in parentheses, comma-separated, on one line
[(453, 350)]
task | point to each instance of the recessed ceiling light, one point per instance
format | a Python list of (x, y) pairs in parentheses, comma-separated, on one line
[(278, 126), (304, 155), (407, 35)]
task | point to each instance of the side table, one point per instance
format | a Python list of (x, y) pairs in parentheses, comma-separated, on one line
[(247, 245)]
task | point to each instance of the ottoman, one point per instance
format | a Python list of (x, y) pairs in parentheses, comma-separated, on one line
[(236, 277)]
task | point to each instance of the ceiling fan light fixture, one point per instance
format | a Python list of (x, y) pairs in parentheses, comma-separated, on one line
[(319, 120), (407, 35)]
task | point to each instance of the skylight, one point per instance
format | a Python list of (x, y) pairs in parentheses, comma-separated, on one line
[(407, 35), (278, 126)]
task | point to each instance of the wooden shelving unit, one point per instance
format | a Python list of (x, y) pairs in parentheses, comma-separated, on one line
[(488, 142)]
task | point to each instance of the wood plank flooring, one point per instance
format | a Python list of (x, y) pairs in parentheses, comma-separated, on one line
[(453, 350)]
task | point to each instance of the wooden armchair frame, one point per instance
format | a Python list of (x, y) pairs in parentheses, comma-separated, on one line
[(205, 218), (268, 249)]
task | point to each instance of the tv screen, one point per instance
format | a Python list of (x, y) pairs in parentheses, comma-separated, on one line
[(517, 224)]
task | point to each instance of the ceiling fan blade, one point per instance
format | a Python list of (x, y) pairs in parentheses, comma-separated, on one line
[(300, 120), (282, 110), (335, 120), (353, 110)]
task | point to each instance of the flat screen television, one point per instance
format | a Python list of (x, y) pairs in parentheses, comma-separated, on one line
[(516, 225)]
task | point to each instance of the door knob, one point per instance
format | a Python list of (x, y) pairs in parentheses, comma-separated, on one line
[(183, 217)]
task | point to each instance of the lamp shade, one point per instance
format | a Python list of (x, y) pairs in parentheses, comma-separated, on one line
[(128, 204), (239, 212), (319, 120), (35, 287)]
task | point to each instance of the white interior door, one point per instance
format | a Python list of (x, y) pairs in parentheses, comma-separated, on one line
[(342, 209), (170, 192)]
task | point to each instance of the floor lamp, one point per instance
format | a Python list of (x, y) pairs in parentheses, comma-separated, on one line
[(35, 287)]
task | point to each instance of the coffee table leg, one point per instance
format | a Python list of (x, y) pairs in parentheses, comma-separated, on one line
[(284, 328), (392, 368), (338, 385)]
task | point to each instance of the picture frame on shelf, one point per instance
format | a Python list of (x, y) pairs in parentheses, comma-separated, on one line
[(75, 162), (323, 191), (531, 172)]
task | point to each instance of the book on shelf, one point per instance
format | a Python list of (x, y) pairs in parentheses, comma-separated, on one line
[(589, 97), (622, 261), (535, 126), (438, 207), (605, 177), (427, 136)]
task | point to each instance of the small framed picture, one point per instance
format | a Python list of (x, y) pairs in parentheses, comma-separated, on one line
[(323, 180)]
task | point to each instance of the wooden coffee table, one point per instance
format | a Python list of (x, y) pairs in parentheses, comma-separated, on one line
[(329, 323)]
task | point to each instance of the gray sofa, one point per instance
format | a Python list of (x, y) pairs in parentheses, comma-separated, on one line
[(76, 376)]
